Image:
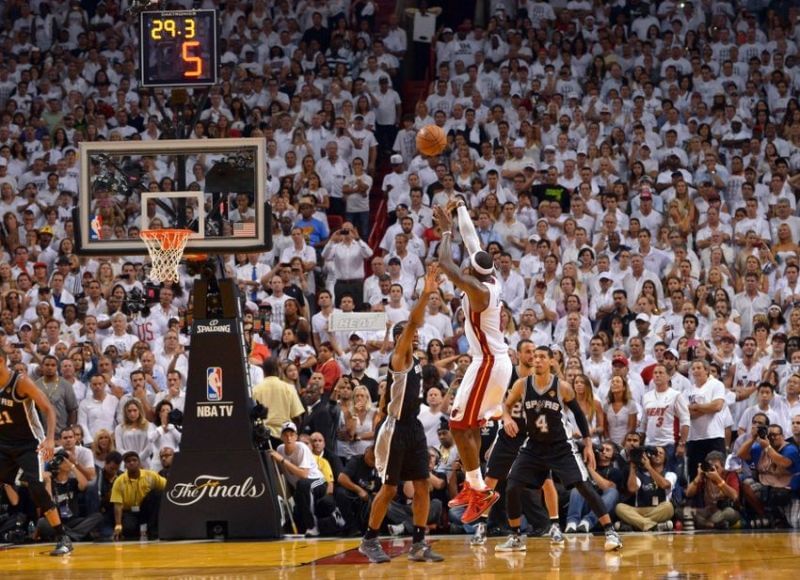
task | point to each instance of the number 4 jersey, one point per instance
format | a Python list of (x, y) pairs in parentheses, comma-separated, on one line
[(544, 413)]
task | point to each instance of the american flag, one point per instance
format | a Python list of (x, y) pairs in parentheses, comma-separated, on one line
[(244, 230)]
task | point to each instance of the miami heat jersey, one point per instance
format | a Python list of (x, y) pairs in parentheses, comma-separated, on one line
[(483, 328)]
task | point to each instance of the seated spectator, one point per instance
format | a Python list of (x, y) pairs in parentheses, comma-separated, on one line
[(651, 487), (608, 480), (357, 485), (66, 483), (775, 465), (297, 464), (717, 494), (136, 495)]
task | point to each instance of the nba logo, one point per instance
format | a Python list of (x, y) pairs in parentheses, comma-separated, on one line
[(95, 227), (214, 383)]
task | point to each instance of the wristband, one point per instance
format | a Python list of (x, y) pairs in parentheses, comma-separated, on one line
[(118, 528), (447, 233)]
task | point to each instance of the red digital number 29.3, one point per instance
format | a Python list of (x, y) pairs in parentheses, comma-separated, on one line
[(188, 58)]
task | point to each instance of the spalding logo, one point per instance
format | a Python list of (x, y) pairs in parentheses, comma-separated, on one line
[(212, 487), (214, 326)]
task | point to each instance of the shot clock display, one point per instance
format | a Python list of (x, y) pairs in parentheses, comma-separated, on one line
[(178, 48)]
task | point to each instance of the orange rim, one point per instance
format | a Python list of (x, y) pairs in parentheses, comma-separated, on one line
[(168, 239), (195, 257)]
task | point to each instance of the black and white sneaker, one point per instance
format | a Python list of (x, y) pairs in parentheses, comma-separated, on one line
[(63, 546)]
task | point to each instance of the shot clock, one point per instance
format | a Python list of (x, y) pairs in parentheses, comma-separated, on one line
[(178, 48)]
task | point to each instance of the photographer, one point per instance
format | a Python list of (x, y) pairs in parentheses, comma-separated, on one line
[(774, 463), (607, 480), (65, 484), (652, 489), (347, 252), (718, 492)]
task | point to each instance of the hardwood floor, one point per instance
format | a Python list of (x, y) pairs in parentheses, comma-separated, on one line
[(734, 555)]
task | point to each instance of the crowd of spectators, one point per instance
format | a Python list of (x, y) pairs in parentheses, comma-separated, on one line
[(631, 166)]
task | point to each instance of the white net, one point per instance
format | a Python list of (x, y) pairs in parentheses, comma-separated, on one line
[(166, 249)]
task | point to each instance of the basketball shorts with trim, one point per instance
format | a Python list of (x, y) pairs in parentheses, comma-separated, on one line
[(480, 395), (22, 456), (503, 453), (534, 465), (401, 452)]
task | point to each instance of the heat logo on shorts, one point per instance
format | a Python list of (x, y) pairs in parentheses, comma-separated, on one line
[(214, 383)]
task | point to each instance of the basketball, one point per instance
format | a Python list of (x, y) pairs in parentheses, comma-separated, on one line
[(431, 140)]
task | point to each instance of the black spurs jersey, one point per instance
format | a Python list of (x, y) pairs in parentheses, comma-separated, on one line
[(404, 389), (517, 414), (19, 420), (544, 413)]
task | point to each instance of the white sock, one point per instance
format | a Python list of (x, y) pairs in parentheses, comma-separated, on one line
[(475, 480)]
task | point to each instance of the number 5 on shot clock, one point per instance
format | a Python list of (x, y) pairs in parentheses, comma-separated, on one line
[(178, 48)]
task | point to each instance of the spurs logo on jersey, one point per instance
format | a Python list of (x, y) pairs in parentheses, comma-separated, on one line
[(544, 413), (483, 328)]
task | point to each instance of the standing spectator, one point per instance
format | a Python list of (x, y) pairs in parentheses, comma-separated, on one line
[(278, 397), (59, 392), (347, 252), (97, 411), (663, 407), (706, 400), (355, 189)]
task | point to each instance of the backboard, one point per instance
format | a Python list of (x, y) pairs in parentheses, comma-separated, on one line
[(216, 188)]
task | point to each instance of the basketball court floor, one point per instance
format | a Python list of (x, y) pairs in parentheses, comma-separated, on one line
[(685, 555)]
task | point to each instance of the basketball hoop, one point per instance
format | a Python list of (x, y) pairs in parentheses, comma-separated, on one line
[(166, 249)]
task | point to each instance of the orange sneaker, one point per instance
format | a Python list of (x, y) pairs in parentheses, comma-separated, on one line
[(481, 503), (464, 496)]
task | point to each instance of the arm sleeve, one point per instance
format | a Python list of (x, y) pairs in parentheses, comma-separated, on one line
[(580, 418), (467, 229)]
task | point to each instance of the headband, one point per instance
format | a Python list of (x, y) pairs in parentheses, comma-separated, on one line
[(477, 267)]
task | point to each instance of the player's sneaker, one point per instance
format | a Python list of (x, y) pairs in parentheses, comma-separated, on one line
[(571, 528), (584, 527), (63, 546), (373, 550), (481, 503), (556, 537), (479, 537), (422, 552), (513, 543), (463, 498), (613, 541)]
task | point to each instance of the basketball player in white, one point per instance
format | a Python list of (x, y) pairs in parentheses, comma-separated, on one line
[(480, 396)]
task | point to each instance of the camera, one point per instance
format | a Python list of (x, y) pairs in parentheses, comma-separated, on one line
[(55, 463), (135, 301), (762, 431), (637, 454), (706, 467), (175, 417)]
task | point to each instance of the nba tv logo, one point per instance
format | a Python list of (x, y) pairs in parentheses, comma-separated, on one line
[(214, 383)]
